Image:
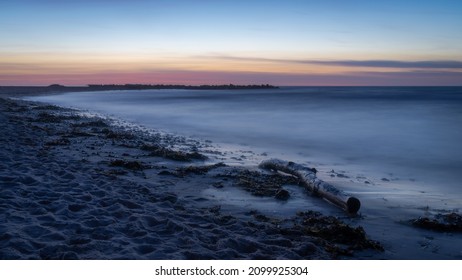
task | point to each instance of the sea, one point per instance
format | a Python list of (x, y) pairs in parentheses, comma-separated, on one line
[(401, 140)]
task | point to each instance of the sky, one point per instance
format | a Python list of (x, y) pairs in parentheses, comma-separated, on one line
[(287, 42)]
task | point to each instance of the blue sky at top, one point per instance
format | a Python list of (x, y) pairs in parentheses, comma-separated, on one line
[(291, 30)]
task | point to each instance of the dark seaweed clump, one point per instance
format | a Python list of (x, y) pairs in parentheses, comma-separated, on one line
[(96, 123), (159, 151), (261, 184), (198, 170), (451, 222), (117, 135), (132, 165), (45, 117), (338, 237)]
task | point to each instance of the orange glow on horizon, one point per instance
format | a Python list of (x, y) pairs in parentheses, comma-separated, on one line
[(86, 68)]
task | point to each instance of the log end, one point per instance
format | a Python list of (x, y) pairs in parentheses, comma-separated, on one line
[(353, 205)]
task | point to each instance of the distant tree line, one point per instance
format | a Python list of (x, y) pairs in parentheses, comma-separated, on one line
[(163, 86), (101, 87)]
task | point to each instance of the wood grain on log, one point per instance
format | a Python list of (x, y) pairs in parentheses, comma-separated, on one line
[(318, 187)]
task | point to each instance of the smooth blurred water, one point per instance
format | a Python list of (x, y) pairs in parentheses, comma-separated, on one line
[(409, 131)]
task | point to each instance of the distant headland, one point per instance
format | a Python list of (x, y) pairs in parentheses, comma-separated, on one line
[(163, 86), (57, 88)]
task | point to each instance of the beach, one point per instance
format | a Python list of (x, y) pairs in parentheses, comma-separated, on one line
[(78, 185)]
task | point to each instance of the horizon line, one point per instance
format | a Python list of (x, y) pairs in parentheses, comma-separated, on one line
[(213, 85)]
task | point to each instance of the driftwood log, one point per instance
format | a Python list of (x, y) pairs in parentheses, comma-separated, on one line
[(318, 187)]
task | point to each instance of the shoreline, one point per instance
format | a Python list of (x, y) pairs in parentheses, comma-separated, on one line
[(78, 188), (170, 186)]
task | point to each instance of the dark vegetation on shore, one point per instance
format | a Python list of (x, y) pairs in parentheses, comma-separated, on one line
[(449, 222), (163, 86)]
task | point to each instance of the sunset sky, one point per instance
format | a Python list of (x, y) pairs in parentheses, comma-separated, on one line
[(243, 42)]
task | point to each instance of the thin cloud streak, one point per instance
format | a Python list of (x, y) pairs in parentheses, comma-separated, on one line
[(424, 64)]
